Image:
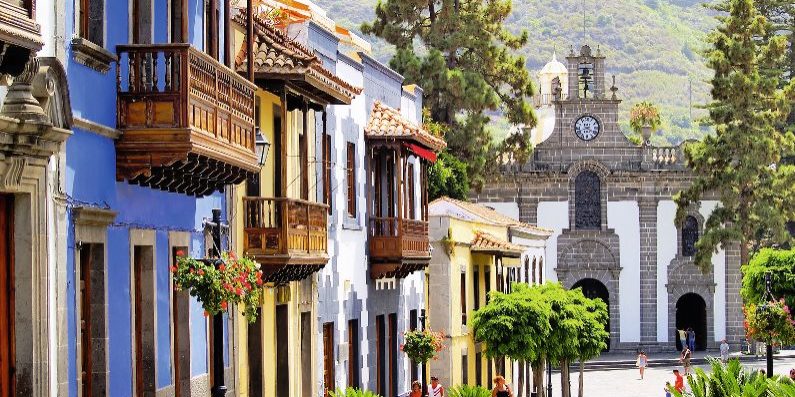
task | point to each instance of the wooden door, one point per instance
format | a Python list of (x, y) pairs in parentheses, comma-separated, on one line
[(175, 331), (138, 302), (328, 358), (393, 355), (86, 364), (6, 295)]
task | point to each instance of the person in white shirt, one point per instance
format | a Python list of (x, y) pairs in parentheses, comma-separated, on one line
[(724, 351), (435, 389)]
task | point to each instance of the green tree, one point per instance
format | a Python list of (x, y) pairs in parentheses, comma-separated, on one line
[(516, 325), (780, 14), (448, 177), (741, 163), (781, 265), (592, 337), (462, 55)]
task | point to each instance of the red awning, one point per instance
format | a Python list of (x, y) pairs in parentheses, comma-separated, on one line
[(420, 151)]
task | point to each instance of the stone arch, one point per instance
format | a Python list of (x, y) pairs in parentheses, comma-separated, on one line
[(593, 168), (706, 293)]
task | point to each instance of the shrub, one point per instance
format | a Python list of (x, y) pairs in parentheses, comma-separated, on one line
[(468, 391), (352, 392), (421, 346)]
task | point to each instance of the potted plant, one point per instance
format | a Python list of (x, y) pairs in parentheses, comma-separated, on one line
[(220, 283), (421, 346), (770, 322), (644, 118)]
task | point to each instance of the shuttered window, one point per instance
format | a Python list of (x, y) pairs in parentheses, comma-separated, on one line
[(351, 178)]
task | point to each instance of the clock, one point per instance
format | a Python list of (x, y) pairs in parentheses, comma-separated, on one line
[(586, 128)]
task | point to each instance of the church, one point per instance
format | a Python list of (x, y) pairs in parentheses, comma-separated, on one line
[(609, 204)]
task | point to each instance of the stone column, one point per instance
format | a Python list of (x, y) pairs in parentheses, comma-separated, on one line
[(735, 331), (648, 269)]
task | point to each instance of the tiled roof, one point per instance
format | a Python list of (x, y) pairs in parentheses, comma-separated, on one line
[(488, 214), (485, 242), (278, 56), (387, 122)]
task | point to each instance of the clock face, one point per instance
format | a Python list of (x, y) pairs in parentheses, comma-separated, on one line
[(586, 128)]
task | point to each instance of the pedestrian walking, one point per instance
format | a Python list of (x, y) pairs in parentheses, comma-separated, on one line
[(668, 388), (642, 362), (435, 389), (686, 356), (691, 336), (682, 337), (724, 351), (679, 382), (792, 374), (500, 388), (416, 389)]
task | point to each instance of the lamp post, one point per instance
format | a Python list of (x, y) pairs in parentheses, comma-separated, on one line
[(219, 389), (769, 347), (262, 146)]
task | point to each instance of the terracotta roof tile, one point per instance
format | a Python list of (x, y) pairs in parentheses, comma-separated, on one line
[(387, 122), (277, 55), (486, 242)]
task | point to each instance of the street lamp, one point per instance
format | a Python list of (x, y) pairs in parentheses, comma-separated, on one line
[(769, 347), (262, 146), (218, 389)]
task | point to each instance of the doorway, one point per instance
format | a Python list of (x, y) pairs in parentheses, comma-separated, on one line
[(691, 312), (593, 289), (6, 295)]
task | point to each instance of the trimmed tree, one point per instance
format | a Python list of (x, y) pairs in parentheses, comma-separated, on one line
[(741, 163), (592, 337), (516, 325), (781, 266), (464, 58)]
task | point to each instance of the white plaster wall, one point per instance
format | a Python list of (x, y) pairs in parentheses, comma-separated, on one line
[(719, 266), (666, 251), (623, 217), (552, 215), (509, 209)]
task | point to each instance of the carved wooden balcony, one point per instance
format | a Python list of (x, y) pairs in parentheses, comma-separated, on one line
[(187, 120), (398, 247), (288, 237), (19, 35)]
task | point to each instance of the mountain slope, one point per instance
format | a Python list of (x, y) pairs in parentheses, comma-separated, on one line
[(652, 47)]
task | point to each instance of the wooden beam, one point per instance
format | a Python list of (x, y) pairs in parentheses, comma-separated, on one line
[(214, 29), (229, 60), (284, 145)]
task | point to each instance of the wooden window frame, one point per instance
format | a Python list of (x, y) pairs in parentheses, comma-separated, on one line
[(350, 178), (85, 17)]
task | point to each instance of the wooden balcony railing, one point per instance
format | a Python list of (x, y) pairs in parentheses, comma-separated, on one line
[(176, 103), (288, 237), (398, 246)]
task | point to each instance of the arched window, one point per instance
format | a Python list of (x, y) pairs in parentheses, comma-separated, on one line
[(689, 236), (527, 269), (534, 270), (587, 201), (541, 271)]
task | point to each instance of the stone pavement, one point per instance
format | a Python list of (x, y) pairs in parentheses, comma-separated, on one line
[(626, 382)]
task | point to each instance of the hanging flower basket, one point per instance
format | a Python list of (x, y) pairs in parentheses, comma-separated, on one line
[(220, 283), (770, 322), (421, 346)]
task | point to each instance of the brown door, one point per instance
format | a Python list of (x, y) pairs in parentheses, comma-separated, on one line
[(328, 358), (175, 320), (138, 301), (85, 319), (6, 295)]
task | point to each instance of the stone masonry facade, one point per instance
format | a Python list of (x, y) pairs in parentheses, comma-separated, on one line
[(627, 172)]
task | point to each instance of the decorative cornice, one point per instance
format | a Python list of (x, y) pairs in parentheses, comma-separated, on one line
[(96, 128), (92, 216), (91, 55)]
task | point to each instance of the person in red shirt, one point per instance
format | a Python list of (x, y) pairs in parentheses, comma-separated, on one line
[(679, 384)]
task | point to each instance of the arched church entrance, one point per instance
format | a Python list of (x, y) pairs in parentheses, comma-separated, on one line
[(691, 312), (592, 289)]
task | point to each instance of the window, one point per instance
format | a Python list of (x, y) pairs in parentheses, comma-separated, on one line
[(328, 358), (351, 178), (282, 351), (464, 369), (91, 318), (487, 276), (327, 196), (92, 21), (479, 369), (587, 201), (413, 320), (526, 270), (354, 369), (689, 236), (410, 193), (181, 330), (393, 355), (476, 285), (463, 298), (534, 270), (541, 271)]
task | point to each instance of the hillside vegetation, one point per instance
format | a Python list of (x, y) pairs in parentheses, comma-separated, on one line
[(652, 47)]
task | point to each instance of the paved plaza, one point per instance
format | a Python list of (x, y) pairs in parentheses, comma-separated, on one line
[(626, 382)]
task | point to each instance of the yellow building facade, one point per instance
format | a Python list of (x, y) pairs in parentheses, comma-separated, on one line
[(474, 252)]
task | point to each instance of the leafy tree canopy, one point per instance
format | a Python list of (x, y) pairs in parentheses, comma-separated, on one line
[(448, 177), (461, 54), (742, 162), (781, 265)]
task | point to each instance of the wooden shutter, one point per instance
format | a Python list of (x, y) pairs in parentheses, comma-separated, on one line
[(393, 355), (353, 353), (327, 197), (380, 344), (476, 284), (463, 298), (328, 358), (351, 178)]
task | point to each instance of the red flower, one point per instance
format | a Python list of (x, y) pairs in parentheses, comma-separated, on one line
[(259, 281), (173, 269), (201, 272), (222, 267), (206, 314), (224, 305), (239, 291), (228, 287), (232, 255), (180, 253)]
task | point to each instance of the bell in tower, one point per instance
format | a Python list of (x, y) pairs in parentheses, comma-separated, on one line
[(586, 74)]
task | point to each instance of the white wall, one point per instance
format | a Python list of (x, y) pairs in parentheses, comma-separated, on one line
[(552, 215), (666, 251), (623, 217), (719, 267), (509, 209)]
